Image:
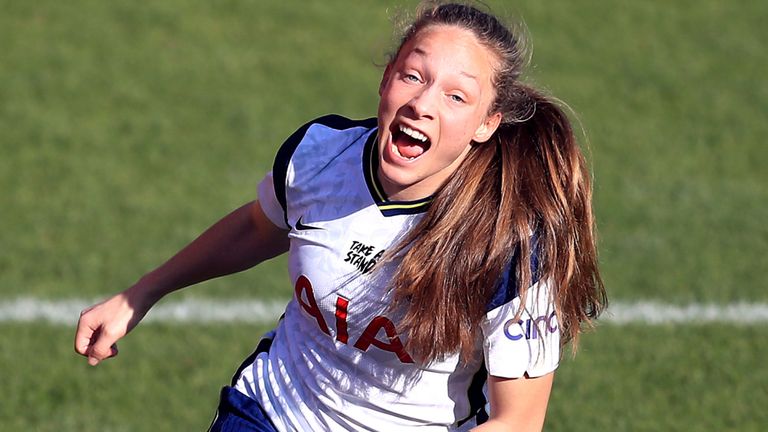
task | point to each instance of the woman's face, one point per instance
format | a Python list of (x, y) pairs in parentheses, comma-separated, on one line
[(435, 98)]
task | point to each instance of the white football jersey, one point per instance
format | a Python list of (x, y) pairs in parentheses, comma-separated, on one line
[(337, 360)]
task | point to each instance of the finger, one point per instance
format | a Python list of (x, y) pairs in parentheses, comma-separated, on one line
[(83, 337), (103, 346), (113, 352)]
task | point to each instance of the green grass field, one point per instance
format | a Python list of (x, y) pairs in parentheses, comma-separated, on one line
[(126, 129)]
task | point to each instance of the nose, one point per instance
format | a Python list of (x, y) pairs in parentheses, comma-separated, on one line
[(423, 103)]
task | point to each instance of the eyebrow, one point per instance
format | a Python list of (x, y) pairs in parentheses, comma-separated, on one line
[(423, 53)]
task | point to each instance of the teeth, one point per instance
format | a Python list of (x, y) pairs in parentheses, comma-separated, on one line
[(413, 133)]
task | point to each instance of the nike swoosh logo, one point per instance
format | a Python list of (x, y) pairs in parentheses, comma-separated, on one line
[(300, 225)]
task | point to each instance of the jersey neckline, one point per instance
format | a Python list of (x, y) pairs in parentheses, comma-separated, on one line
[(370, 169)]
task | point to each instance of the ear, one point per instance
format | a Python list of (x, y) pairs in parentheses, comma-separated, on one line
[(385, 78), (487, 128)]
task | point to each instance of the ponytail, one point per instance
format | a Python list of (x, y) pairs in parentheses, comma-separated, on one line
[(529, 181)]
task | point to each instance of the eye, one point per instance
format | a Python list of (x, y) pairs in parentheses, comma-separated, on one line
[(456, 98), (411, 78)]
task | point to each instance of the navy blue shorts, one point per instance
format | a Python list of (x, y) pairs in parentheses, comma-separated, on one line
[(239, 413)]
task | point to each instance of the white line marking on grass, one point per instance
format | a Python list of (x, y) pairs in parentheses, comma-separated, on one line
[(648, 312), (210, 311), (28, 309)]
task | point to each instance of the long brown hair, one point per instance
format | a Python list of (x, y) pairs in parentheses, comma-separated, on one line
[(530, 181)]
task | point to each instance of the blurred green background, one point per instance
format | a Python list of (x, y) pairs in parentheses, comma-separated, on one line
[(127, 128)]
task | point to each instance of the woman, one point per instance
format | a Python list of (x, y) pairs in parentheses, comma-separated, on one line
[(441, 253)]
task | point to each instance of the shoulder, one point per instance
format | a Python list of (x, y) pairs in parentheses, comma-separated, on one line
[(319, 155), (323, 137), (508, 287), (330, 127)]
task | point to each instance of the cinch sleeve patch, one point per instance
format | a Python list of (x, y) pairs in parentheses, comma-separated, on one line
[(529, 343)]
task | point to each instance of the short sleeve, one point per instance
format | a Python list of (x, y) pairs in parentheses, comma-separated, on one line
[(320, 140), (269, 202), (528, 344)]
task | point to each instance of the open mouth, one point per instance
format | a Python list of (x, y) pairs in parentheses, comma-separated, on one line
[(409, 143)]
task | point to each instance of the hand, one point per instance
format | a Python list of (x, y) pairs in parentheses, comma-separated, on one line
[(103, 324)]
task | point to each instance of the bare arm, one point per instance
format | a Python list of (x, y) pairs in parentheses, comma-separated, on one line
[(518, 404), (237, 242)]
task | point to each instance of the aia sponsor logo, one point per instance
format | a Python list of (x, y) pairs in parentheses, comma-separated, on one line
[(530, 328), (370, 335)]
